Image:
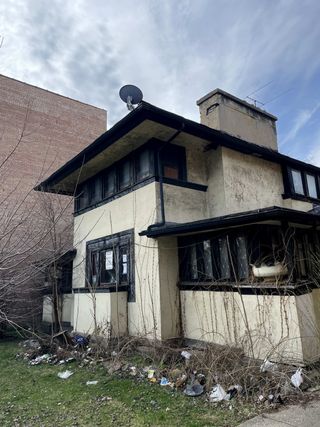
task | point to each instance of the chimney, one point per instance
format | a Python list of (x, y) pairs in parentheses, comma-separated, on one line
[(222, 111)]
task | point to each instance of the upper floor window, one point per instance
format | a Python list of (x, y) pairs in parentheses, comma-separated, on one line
[(302, 183), (133, 169), (173, 162)]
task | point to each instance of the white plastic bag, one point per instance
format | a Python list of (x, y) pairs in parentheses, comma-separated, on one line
[(217, 394), (65, 375), (297, 378), (186, 354)]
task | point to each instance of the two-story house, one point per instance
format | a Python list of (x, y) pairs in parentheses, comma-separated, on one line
[(202, 231)]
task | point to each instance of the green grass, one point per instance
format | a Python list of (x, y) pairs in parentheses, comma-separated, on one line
[(35, 396)]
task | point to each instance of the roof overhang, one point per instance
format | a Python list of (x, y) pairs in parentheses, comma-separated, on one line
[(136, 128), (266, 215)]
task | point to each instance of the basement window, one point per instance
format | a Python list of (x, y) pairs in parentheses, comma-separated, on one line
[(109, 261)]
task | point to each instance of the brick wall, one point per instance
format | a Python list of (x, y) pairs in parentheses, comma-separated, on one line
[(39, 131)]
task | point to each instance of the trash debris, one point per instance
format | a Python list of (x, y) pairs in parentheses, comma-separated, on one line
[(151, 373), (194, 390), (268, 366), (114, 353), (164, 381), (186, 355), (65, 374), (181, 381), (133, 371), (261, 398), (40, 359), (91, 382), (81, 341), (32, 344), (217, 394), (233, 391), (297, 378)]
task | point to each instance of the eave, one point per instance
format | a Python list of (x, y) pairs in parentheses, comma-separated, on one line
[(137, 127), (273, 213)]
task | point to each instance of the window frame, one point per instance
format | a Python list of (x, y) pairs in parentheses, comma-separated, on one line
[(289, 184), (116, 242)]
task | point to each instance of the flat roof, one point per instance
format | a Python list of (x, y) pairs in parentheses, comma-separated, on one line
[(242, 218), (133, 127)]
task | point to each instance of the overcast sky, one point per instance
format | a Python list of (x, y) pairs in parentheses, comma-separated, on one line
[(175, 51)]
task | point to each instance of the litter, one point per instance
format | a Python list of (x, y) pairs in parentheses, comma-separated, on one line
[(233, 391), (81, 340), (65, 375), (268, 366), (297, 378), (151, 373), (40, 359), (133, 371), (164, 381), (217, 394), (186, 355), (194, 390), (91, 382), (114, 353), (181, 381)]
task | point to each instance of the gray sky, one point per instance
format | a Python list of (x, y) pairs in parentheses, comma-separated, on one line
[(175, 51)]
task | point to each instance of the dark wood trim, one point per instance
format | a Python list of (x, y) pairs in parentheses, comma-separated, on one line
[(250, 289), (100, 290)]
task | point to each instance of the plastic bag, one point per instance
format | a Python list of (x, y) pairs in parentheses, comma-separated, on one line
[(297, 378), (65, 375), (186, 354), (217, 394)]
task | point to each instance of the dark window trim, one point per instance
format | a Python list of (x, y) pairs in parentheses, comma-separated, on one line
[(289, 191), (116, 240), (302, 288)]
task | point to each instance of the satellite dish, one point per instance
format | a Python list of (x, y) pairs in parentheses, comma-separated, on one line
[(131, 95)]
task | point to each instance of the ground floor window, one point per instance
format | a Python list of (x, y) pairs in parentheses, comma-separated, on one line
[(231, 255), (110, 263)]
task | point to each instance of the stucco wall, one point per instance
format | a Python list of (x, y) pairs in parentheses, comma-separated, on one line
[(135, 210), (169, 292), (106, 311), (220, 317)]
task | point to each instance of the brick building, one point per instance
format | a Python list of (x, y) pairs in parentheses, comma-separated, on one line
[(39, 131)]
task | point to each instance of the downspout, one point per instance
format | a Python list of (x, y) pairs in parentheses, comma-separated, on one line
[(160, 176)]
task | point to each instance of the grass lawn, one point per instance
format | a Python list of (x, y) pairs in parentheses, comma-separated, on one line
[(35, 396)]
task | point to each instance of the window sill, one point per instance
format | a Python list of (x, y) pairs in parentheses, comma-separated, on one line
[(300, 197), (245, 288), (185, 184), (100, 290)]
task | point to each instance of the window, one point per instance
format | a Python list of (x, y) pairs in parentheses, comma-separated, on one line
[(297, 182), (303, 183), (124, 174), (109, 183), (94, 190), (109, 263), (312, 186), (173, 162), (215, 259), (143, 165)]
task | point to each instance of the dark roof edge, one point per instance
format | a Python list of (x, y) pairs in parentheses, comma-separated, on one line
[(242, 218), (147, 111), (238, 100)]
